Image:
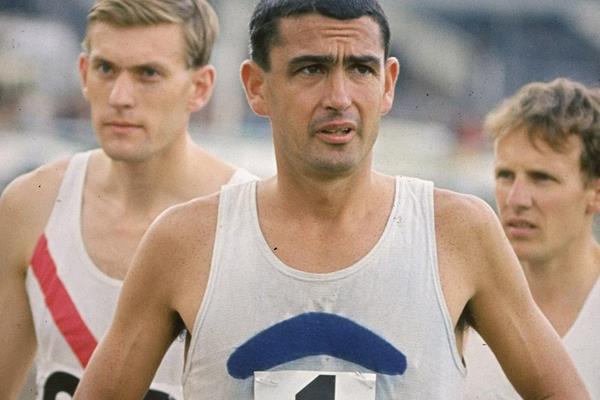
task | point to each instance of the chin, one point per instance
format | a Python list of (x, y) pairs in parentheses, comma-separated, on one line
[(125, 155), (335, 166), (530, 256)]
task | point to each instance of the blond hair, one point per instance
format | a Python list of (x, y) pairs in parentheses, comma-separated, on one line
[(196, 17)]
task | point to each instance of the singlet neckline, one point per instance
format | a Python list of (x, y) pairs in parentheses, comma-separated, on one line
[(347, 271), (89, 264), (589, 302)]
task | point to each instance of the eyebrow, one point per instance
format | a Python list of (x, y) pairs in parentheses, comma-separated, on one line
[(95, 60), (329, 60), (98, 59)]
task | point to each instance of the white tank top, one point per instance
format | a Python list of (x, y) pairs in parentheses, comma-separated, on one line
[(385, 315), (486, 381), (73, 302)]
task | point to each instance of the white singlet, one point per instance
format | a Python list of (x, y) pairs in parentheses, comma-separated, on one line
[(382, 321), (486, 381), (73, 302)]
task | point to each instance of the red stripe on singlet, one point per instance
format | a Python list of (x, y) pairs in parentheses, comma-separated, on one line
[(61, 306)]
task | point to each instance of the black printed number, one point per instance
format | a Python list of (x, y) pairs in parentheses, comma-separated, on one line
[(321, 388), (62, 382)]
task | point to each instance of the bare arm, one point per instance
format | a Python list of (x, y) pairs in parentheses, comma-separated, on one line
[(24, 209), (160, 294), (17, 341), (505, 314)]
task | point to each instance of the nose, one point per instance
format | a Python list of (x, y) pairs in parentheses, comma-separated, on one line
[(338, 96), (121, 94), (519, 194)]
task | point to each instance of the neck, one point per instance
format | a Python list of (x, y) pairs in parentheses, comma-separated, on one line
[(339, 219), (571, 273), (148, 184), (330, 198)]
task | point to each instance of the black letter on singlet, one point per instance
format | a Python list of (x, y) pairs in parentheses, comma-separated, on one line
[(156, 395), (62, 382), (321, 388)]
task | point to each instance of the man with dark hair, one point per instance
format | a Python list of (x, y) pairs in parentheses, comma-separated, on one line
[(264, 33), (329, 280), (68, 230), (547, 150)]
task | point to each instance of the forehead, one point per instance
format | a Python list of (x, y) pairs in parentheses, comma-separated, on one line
[(517, 147), (161, 43), (314, 33)]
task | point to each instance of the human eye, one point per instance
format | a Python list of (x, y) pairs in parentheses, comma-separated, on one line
[(363, 69), (309, 70), (104, 68), (542, 177), (503, 174), (149, 73)]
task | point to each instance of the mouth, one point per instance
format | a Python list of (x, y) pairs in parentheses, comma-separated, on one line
[(122, 127), (521, 225), (519, 228), (340, 132), (122, 124)]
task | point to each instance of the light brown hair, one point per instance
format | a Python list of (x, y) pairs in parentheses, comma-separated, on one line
[(197, 18), (552, 112)]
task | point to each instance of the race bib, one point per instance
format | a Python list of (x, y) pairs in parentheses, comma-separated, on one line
[(314, 385)]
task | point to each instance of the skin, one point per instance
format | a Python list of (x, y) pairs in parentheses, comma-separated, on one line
[(547, 208), (141, 95), (327, 198)]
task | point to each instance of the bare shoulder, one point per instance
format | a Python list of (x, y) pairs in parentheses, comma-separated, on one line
[(181, 224), (25, 206), (467, 223), (463, 220), (177, 251), (37, 187), (470, 241)]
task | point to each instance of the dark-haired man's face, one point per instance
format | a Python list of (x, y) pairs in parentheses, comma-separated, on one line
[(327, 88)]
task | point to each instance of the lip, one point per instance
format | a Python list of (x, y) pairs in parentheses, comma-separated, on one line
[(122, 126), (519, 228), (336, 132)]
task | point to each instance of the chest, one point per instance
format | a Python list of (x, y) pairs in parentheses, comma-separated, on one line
[(561, 313), (111, 236), (383, 314), (323, 248)]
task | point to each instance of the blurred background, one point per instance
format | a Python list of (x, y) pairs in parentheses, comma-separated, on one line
[(458, 58)]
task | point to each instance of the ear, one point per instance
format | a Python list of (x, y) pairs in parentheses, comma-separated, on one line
[(391, 71), (203, 83), (253, 80), (594, 205), (83, 64)]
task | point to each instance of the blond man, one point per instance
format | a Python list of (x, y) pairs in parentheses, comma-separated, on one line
[(68, 230)]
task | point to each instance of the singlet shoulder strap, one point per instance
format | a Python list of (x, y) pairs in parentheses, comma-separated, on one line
[(236, 204), (67, 207)]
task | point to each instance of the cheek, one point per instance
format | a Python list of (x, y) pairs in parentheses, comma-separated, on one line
[(561, 211), (165, 104), (500, 196), (97, 94)]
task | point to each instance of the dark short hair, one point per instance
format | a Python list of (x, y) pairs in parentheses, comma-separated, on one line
[(552, 112), (264, 25)]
